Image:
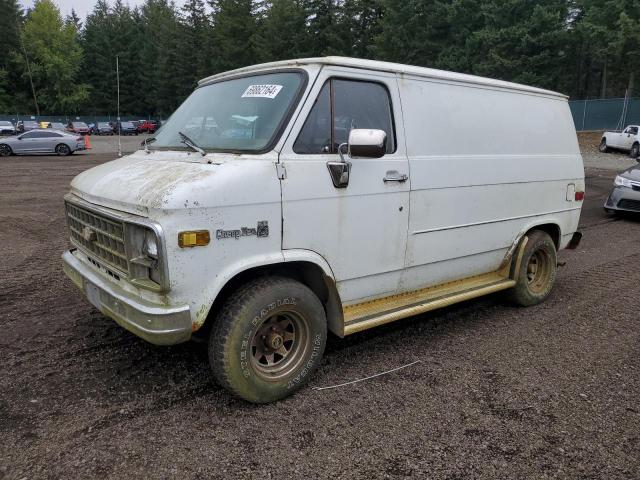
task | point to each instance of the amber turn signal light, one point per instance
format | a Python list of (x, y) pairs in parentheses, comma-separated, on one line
[(197, 238)]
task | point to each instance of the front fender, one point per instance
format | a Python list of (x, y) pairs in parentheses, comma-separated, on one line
[(217, 283)]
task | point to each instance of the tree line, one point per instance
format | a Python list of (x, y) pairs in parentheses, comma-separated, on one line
[(57, 65)]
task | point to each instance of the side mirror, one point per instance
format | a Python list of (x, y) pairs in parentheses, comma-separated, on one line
[(367, 143)]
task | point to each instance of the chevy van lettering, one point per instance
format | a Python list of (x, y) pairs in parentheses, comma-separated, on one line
[(261, 231)]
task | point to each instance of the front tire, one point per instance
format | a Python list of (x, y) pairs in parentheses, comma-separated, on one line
[(267, 339), (536, 272), (603, 146), (635, 151)]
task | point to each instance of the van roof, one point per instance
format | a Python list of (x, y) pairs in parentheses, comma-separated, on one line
[(385, 67)]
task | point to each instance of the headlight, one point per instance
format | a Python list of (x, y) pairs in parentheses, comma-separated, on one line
[(145, 264), (150, 244), (622, 182)]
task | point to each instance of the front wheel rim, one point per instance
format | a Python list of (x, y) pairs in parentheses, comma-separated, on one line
[(279, 345), (539, 271), (62, 150)]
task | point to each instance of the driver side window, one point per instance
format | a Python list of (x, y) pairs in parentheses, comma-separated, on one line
[(341, 106)]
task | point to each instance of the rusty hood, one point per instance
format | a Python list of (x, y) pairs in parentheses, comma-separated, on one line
[(142, 182)]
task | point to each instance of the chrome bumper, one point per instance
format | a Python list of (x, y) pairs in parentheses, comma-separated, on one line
[(158, 324)]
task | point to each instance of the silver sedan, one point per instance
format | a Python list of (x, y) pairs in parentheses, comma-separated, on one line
[(41, 141)]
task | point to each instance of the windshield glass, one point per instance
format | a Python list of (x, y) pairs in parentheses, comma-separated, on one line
[(80, 124), (6, 124), (127, 124), (242, 114)]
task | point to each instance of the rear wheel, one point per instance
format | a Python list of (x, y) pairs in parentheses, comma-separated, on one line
[(63, 149), (635, 151), (5, 150), (537, 270), (603, 146), (268, 339)]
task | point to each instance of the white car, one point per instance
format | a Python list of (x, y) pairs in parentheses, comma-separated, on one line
[(325, 195), (626, 140), (7, 128)]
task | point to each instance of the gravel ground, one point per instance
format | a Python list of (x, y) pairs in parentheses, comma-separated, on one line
[(501, 392)]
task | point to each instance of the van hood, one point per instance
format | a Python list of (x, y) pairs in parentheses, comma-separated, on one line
[(141, 182)]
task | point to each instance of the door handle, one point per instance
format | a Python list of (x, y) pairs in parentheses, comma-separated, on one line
[(394, 176)]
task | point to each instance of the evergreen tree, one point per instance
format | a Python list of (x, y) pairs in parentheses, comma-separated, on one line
[(325, 27), (284, 32), (98, 70), (413, 32), (197, 38), (362, 24), (54, 54), (235, 33), (162, 58), (13, 88)]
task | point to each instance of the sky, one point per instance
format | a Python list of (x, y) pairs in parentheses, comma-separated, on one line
[(82, 7)]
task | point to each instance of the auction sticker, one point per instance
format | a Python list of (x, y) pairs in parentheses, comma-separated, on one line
[(262, 91)]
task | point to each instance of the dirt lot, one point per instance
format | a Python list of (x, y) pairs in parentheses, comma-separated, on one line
[(501, 392)]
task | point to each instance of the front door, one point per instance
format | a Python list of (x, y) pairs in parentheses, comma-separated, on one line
[(360, 230)]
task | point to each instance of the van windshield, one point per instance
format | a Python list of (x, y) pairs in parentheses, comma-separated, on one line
[(241, 114)]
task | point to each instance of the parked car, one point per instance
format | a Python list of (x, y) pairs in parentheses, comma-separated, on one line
[(7, 128), (625, 196), (41, 141), (627, 140), (126, 128), (103, 128), (26, 125), (57, 126), (147, 126), (393, 190), (79, 127)]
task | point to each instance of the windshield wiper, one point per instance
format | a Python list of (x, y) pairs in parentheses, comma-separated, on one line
[(190, 143)]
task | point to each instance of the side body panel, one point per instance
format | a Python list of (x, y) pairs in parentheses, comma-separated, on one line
[(486, 164)]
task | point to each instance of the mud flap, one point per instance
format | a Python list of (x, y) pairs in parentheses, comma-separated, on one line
[(575, 241)]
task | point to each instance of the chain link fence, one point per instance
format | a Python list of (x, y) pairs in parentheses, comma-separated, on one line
[(606, 114)]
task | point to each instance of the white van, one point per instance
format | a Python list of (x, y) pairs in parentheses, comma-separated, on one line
[(288, 199)]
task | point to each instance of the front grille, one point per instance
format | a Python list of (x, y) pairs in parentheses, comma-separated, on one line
[(99, 236), (627, 204)]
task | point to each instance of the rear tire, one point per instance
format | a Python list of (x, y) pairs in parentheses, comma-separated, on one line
[(536, 272), (5, 150), (268, 339), (63, 150), (603, 146)]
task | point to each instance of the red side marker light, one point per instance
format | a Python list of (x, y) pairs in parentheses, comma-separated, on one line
[(579, 196)]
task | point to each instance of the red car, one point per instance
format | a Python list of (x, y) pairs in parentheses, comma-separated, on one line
[(79, 127), (147, 126)]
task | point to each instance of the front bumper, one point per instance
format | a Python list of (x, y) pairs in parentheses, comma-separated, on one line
[(156, 323), (623, 199)]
